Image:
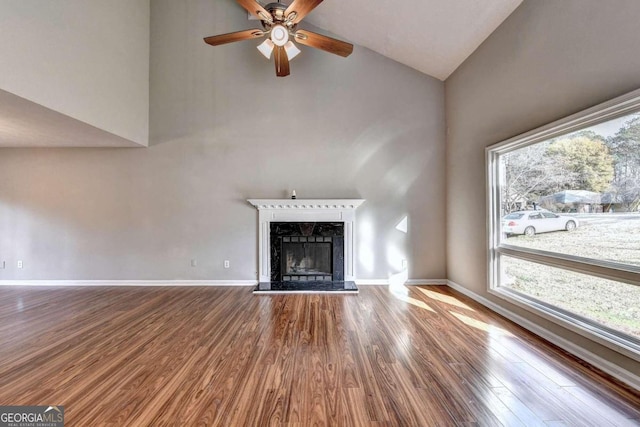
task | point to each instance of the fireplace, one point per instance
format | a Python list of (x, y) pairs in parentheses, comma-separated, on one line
[(307, 251), (306, 244)]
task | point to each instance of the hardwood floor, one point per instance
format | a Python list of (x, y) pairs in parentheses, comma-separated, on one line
[(418, 356)]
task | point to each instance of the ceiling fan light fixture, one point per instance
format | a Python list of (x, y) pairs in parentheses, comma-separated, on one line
[(292, 50), (280, 29), (279, 35), (266, 48)]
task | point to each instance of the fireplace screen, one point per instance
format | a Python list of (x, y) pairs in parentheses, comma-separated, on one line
[(307, 251), (307, 258)]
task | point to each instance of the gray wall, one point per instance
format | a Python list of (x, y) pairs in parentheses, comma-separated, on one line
[(85, 59), (549, 59), (224, 129)]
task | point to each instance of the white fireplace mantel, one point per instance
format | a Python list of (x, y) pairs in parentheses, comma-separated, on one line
[(305, 210)]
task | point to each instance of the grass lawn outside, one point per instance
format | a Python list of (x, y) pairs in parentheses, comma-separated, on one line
[(608, 237)]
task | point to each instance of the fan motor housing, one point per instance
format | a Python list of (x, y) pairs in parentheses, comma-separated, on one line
[(277, 10)]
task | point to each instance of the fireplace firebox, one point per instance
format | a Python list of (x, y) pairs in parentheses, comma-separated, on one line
[(307, 258), (307, 251)]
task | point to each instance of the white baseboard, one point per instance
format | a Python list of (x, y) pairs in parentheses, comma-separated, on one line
[(612, 369), (426, 282), (410, 282), (128, 282)]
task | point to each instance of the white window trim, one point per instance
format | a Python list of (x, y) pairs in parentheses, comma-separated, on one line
[(615, 108)]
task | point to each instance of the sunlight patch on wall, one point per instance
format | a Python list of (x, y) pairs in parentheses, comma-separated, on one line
[(401, 177), (373, 141), (396, 258), (403, 225), (366, 236)]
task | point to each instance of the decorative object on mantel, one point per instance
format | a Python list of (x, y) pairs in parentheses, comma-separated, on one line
[(293, 195), (305, 229), (280, 24)]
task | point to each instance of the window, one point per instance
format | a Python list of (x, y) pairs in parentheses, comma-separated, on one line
[(564, 222), (514, 216)]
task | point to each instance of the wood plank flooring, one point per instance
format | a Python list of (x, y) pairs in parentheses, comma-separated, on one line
[(417, 356)]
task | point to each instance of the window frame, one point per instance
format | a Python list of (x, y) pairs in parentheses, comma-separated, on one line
[(630, 346)]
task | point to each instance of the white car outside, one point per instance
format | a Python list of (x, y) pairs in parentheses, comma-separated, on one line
[(530, 223)]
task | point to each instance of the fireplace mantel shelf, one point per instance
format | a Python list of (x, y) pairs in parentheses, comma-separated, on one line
[(287, 204)]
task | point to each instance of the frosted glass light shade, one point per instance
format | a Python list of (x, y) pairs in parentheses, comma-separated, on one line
[(292, 50), (266, 48)]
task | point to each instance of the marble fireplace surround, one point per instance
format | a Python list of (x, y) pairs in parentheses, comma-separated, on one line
[(305, 210)]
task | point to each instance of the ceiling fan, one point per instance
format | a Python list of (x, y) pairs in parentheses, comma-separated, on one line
[(280, 24)]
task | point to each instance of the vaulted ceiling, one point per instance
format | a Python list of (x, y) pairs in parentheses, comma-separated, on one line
[(432, 36)]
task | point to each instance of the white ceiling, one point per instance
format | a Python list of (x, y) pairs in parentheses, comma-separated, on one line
[(432, 36)]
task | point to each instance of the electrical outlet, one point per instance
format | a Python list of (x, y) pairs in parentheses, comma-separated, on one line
[(226, 263), (194, 263), (20, 265), (3, 265), (404, 263)]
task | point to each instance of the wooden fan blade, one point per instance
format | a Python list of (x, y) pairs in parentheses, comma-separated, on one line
[(302, 8), (325, 43), (282, 61), (254, 8), (233, 37)]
